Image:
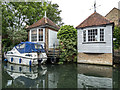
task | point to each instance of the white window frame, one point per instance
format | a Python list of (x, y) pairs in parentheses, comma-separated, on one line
[(84, 36), (39, 35), (92, 34), (103, 35), (98, 34), (32, 35)]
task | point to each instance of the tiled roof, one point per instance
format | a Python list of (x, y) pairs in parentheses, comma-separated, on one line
[(43, 22), (94, 20)]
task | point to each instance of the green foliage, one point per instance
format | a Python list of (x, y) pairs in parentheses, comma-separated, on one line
[(16, 36), (16, 15), (67, 36), (116, 34)]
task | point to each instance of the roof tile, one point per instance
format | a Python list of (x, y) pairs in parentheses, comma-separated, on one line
[(94, 19), (42, 22)]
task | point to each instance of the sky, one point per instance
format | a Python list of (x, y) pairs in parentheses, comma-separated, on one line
[(76, 11)]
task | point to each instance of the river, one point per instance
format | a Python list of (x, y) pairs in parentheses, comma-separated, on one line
[(60, 76)]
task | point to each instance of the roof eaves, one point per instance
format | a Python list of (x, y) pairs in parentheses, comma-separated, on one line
[(103, 25)]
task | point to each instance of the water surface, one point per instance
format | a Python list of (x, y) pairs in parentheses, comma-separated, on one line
[(60, 76)]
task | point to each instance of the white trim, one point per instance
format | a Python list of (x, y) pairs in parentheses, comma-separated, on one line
[(86, 35), (98, 34), (104, 34), (37, 34), (30, 36), (43, 34)]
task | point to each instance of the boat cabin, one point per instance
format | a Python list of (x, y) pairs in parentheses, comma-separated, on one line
[(95, 40), (44, 32), (29, 47)]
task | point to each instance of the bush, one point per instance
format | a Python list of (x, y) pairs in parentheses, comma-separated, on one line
[(116, 34), (67, 36)]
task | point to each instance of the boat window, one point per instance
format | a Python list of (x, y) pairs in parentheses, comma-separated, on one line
[(10, 53), (38, 47), (28, 55), (22, 46)]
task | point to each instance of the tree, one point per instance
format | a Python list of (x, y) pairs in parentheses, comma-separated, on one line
[(67, 36), (16, 36), (116, 34), (16, 15), (31, 12)]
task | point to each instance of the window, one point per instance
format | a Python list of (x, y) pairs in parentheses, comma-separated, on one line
[(92, 35), (9, 52), (22, 46), (34, 35), (84, 35), (40, 34), (101, 34)]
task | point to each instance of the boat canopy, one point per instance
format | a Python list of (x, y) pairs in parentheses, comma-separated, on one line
[(28, 47)]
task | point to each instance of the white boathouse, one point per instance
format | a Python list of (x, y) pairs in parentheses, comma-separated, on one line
[(95, 40), (44, 32)]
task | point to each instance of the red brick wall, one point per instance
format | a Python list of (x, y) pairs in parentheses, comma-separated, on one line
[(104, 59)]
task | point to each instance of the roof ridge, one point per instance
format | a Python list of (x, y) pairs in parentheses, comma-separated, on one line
[(112, 10), (46, 20), (104, 17), (42, 22), (86, 18), (94, 19)]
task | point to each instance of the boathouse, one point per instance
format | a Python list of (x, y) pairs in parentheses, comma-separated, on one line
[(95, 40), (44, 32)]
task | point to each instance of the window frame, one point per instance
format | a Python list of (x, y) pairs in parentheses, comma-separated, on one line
[(33, 36), (39, 36), (102, 34), (84, 36), (92, 35), (98, 35)]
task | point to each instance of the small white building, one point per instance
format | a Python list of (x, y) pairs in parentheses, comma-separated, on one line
[(44, 32), (95, 40)]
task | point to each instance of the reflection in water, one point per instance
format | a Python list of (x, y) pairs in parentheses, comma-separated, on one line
[(91, 76), (60, 76), (116, 77), (23, 76)]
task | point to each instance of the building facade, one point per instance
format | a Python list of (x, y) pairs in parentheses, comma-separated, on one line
[(95, 40), (44, 32), (114, 15)]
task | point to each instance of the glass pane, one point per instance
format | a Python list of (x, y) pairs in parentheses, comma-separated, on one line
[(40, 34)]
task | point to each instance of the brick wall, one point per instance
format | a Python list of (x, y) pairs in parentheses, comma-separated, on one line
[(114, 15), (103, 59)]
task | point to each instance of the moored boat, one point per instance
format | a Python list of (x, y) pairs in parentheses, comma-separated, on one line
[(27, 53)]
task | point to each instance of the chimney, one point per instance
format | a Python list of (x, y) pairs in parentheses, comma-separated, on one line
[(119, 5)]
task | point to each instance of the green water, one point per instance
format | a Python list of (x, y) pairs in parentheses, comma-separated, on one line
[(60, 76)]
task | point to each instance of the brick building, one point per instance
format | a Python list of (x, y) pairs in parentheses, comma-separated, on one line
[(114, 15)]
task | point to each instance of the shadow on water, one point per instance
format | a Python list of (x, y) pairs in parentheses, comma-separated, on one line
[(60, 76)]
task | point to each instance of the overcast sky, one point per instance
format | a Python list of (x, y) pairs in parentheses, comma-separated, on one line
[(75, 11)]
